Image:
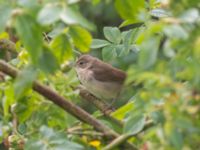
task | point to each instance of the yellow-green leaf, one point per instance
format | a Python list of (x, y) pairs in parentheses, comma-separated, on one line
[(30, 34), (82, 39), (61, 47)]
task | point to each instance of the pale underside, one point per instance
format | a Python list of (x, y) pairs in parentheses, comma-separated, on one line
[(102, 90)]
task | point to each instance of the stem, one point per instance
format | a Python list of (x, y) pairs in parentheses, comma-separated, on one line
[(99, 104), (118, 141)]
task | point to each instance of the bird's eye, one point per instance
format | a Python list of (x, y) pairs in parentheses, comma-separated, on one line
[(81, 63)]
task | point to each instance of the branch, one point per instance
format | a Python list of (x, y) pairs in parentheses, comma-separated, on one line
[(2, 76), (7, 48), (116, 142), (86, 133), (7, 45), (99, 104), (65, 104), (120, 139)]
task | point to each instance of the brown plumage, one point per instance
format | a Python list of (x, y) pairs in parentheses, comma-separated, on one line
[(99, 78), (112, 74)]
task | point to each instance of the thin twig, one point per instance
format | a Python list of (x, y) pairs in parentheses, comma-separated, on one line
[(99, 104), (119, 140), (87, 133), (116, 142)]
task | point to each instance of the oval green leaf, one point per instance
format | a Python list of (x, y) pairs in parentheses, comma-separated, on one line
[(5, 13), (112, 34), (71, 16), (129, 9), (98, 43), (108, 53), (61, 47), (30, 34), (49, 14), (48, 62), (134, 124), (82, 39)]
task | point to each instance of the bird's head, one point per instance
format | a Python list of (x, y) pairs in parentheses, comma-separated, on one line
[(84, 61)]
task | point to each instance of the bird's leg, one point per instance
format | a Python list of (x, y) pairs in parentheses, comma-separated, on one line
[(110, 106), (113, 101)]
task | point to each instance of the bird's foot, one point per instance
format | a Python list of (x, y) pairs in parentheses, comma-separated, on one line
[(108, 109)]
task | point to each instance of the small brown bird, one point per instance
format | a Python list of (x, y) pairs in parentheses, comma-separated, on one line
[(99, 78)]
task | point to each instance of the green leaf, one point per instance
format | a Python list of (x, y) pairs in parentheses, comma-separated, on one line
[(167, 49), (49, 14), (176, 138), (112, 34), (61, 47), (8, 100), (58, 29), (120, 50), (108, 53), (24, 81), (46, 132), (160, 13), (28, 3), (134, 124), (122, 111), (73, 1), (98, 43), (5, 13), (30, 34), (71, 16), (148, 53), (34, 144), (59, 118), (157, 116), (82, 39), (22, 128), (190, 16), (47, 61), (133, 23), (51, 140), (129, 9), (176, 31), (24, 108), (127, 22), (68, 145), (127, 41)]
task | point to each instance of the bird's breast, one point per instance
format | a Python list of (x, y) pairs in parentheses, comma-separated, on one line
[(84, 75), (105, 90)]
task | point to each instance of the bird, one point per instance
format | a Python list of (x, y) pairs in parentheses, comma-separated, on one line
[(101, 79)]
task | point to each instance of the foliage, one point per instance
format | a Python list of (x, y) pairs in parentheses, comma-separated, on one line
[(156, 42)]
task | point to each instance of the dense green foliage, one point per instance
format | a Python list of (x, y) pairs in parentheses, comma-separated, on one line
[(157, 42)]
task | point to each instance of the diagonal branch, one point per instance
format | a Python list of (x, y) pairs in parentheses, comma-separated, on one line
[(99, 104), (117, 142)]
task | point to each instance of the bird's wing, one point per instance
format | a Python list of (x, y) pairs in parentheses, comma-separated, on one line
[(105, 72)]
